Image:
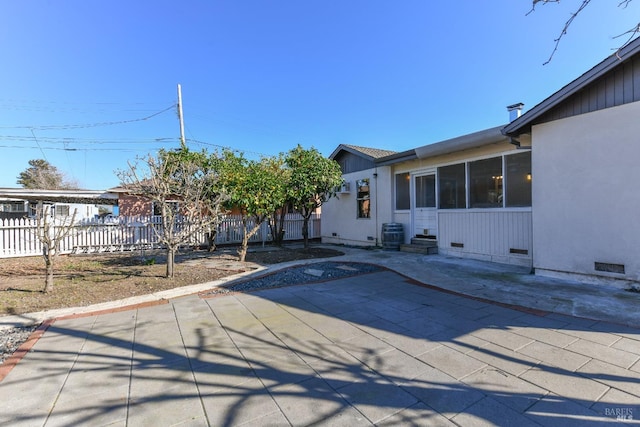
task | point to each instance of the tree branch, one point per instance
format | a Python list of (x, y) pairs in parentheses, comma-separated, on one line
[(632, 33)]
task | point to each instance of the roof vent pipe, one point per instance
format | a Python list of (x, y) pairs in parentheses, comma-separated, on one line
[(515, 111)]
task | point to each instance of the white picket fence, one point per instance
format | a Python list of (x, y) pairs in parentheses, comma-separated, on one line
[(18, 236)]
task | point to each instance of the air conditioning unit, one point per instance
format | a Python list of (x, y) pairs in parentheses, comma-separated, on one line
[(345, 188)]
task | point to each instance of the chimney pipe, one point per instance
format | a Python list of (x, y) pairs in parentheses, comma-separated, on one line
[(515, 111)]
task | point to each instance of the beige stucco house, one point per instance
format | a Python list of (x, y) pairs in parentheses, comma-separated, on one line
[(555, 189)]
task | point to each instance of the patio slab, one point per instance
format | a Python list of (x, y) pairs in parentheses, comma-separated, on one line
[(375, 349)]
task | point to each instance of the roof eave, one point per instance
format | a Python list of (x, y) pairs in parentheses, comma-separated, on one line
[(397, 158), (465, 142)]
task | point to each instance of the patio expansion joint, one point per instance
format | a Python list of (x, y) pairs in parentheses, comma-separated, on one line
[(191, 368), (283, 344), (68, 374)]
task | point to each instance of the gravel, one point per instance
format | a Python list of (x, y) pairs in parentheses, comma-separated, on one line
[(310, 273), (12, 338)]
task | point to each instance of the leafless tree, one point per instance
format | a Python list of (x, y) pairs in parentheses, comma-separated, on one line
[(51, 231), (183, 187), (630, 34)]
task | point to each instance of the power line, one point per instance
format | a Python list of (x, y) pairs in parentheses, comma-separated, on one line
[(36, 139), (90, 125), (90, 141), (130, 150), (225, 147)]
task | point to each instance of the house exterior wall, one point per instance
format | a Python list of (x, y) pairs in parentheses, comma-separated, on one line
[(83, 211), (129, 205), (585, 195), (340, 224), (501, 235)]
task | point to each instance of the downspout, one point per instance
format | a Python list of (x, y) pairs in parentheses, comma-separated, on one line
[(375, 176)]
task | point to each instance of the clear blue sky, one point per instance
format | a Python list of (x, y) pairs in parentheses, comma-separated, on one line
[(264, 76)]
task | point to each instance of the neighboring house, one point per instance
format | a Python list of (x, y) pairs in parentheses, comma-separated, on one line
[(23, 202), (132, 205), (555, 189)]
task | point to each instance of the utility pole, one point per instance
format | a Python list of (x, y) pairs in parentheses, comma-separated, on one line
[(183, 143)]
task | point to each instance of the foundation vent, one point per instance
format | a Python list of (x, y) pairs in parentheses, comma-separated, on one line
[(609, 268), (457, 245), (518, 251)]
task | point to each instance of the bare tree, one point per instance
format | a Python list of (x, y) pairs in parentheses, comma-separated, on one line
[(630, 34), (183, 186), (50, 232)]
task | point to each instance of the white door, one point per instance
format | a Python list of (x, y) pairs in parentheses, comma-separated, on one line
[(424, 205)]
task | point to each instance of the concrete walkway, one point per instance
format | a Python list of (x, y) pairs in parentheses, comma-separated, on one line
[(371, 349)]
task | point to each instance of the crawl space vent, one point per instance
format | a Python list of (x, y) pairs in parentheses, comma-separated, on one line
[(609, 268)]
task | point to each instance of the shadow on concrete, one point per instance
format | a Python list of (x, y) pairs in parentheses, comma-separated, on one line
[(367, 349)]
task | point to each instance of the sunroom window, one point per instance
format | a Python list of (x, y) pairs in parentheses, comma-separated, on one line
[(451, 187), (486, 183), (518, 167)]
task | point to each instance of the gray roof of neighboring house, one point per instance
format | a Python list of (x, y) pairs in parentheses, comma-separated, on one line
[(523, 123), (368, 152)]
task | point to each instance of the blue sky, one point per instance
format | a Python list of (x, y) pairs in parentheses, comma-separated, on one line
[(78, 77)]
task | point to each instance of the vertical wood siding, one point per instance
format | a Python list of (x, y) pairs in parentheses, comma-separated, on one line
[(351, 163), (490, 235), (621, 86)]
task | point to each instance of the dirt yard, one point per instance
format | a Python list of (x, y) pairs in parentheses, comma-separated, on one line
[(82, 280)]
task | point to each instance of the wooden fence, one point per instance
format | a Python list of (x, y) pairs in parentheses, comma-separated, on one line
[(18, 236)]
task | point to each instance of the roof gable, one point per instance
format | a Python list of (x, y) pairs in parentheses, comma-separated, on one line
[(606, 67), (366, 152), (353, 158)]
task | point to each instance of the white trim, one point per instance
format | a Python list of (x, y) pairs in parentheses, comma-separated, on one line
[(412, 191)]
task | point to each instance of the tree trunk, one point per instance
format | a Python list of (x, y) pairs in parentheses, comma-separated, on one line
[(242, 251), (246, 236), (171, 257), (211, 240), (48, 281), (305, 231), (277, 226), (281, 225)]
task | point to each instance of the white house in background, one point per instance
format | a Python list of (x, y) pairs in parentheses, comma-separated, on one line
[(22, 202), (555, 189)]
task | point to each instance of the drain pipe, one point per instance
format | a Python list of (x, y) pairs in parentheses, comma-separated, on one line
[(375, 177)]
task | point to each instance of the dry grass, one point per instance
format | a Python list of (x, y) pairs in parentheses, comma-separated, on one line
[(82, 280)]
